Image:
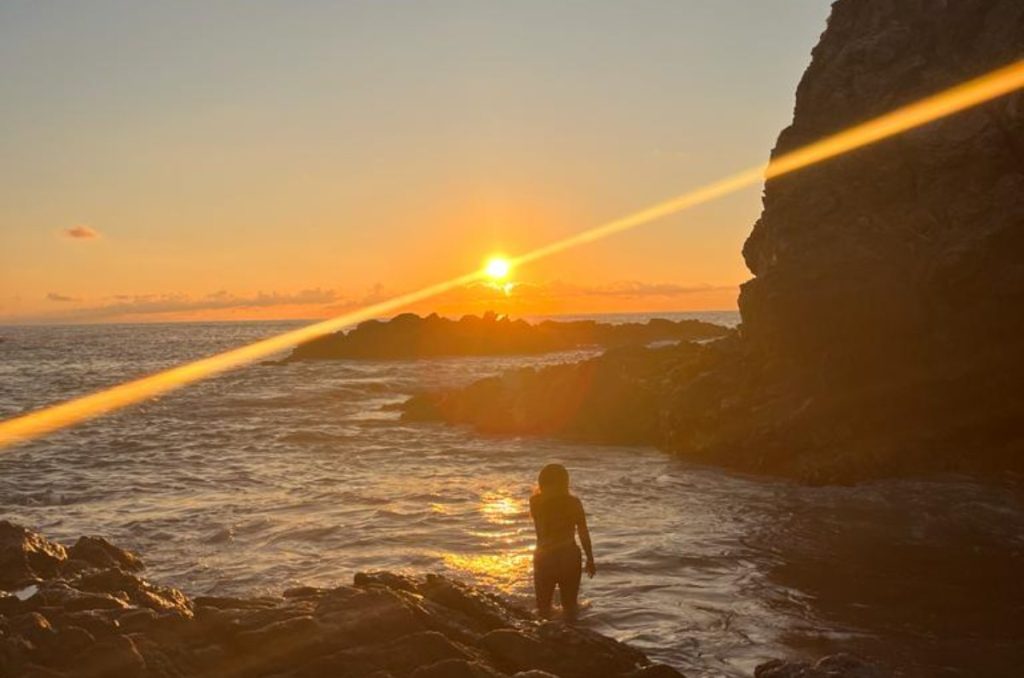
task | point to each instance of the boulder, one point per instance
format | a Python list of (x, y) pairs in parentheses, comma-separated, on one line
[(26, 556), (833, 666), (98, 552)]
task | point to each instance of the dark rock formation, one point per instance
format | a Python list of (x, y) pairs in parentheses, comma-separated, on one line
[(85, 611), (410, 336), (887, 276), (614, 398), (833, 666), (880, 335)]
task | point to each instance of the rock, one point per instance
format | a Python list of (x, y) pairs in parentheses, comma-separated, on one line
[(101, 621), (302, 592), (882, 278), (480, 611), (113, 657), (457, 668), (25, 555), (33, 627), (128, 587), (656, 671), (99, 552), (833, 666), (410, 336), (400, 656), (515, 649), (294, 632), (613, 399), (9, 604), (137, 620), (72, 640), (565, 651), (388, 580), (94, 622)]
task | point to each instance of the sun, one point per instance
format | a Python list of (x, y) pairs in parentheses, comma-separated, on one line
[(497, 268)]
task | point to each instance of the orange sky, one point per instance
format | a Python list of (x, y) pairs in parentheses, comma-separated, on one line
[(166, 165)]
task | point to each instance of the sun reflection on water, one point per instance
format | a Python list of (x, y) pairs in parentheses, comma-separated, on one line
[(502, 508), (504, 556), (506, 571)]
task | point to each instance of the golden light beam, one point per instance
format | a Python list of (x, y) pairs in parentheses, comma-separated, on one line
[(971, 93), (49, 419)]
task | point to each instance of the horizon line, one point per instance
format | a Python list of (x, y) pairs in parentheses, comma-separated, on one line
[(228, 321)]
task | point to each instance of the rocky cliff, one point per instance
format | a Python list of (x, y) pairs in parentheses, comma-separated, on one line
[(882, 331), (888, 281), (912, 247)]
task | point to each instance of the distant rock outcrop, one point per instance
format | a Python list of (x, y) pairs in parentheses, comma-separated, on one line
[(882, 333), (410, 336)]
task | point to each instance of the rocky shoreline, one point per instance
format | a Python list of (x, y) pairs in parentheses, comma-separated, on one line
[(86, 611), (409, 336)]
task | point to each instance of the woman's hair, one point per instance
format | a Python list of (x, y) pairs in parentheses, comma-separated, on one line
[(553, 479)]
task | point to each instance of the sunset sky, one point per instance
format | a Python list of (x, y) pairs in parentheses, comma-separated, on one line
[(233, 160)]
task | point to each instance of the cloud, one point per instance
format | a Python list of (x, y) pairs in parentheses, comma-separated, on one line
[(53, 296), (81, 232), (155, 304)]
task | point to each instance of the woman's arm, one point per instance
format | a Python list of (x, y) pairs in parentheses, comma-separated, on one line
[(581, 526), (533, 514)]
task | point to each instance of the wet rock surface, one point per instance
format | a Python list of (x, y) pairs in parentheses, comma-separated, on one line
[(97, 617), (410, 336), (833, 666), (80, 619), (877, 337), (614, 398)]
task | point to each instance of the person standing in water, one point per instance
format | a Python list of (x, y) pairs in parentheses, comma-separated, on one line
[(557, 516)]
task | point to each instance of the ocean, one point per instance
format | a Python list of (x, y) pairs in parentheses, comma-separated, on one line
[(281, 474)]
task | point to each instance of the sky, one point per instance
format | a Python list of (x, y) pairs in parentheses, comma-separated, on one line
[(227, 160)]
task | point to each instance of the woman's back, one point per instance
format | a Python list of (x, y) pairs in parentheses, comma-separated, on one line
[(555, 517)]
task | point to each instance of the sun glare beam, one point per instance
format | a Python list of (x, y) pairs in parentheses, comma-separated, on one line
[(1003, 81)]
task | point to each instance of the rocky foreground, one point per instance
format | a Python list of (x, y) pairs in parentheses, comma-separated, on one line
[(86, 611), (409, 336)]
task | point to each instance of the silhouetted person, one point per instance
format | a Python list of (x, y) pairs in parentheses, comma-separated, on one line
[(557, 516)]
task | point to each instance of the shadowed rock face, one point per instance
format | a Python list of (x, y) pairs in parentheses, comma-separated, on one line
[(84, 611), (615, 398), (885, 279), (916, 240), (410, 336), (882, 333)]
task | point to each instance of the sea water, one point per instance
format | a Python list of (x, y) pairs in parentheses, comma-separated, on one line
[(281, 474)]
